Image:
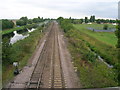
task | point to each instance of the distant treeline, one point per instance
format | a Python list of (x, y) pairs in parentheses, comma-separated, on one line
[(8, 24), (92, 19)]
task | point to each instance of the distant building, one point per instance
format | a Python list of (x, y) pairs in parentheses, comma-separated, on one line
[(119, 10)]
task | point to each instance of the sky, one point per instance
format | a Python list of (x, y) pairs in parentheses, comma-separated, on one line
[(14, 9)]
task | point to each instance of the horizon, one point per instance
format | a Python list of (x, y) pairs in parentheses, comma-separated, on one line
[(53, 9)]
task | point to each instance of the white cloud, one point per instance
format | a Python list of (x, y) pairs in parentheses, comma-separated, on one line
[(56, 8)]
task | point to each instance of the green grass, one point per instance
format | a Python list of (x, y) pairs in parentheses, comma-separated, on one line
[(21, 51), (98, 26), (92, 72), (104, 46), (106, 37)]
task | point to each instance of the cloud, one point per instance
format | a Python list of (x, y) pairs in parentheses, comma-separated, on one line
[(56, 8)]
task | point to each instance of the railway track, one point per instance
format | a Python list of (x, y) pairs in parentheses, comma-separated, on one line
[(57, 78), (49, 53)]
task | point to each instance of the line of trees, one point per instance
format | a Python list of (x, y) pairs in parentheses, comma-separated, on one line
[(98, 21), (8, 24), (24, 21), (92, 19)]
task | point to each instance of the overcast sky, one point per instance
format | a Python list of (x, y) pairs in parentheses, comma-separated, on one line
[(14, 9)]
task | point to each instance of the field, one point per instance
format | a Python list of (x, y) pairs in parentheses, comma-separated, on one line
[(106, 37)]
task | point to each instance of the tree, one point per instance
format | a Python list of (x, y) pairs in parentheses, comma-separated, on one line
[(98, 21), (81, 20), (92, 19), (65, 24), (77, 21), (30, 21), (20, 23), (60, 19), (7, 24), (36, 20), (25, 19), (86, 20)]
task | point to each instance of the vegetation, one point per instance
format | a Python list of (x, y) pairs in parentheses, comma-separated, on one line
[(105, 37), (118, 34), (7, 24), (20, 23), (24, 21), (118, 47), (92, 19), (99, 21), (92, 72), (65, 24), (36, 20), (86, 20), (105, 27), (102, 43), (20, 51)]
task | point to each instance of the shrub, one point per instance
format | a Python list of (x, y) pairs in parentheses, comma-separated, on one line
[(105, 27)]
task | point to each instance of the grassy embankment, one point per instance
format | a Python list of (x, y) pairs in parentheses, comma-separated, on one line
[(21, 51), (92, 72), (102, 43)]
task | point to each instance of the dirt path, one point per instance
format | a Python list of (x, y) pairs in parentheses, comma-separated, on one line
[(50, 66)]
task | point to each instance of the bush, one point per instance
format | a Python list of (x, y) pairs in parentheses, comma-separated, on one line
[(66, 25), (105, 27), (20, 23)]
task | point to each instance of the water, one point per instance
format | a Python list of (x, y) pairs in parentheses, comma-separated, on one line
[(17, 37), (110, 30), (101, 59), (31, 30), (110, 66)]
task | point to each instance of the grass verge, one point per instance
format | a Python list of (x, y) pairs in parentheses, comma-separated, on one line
[(92, 72)]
